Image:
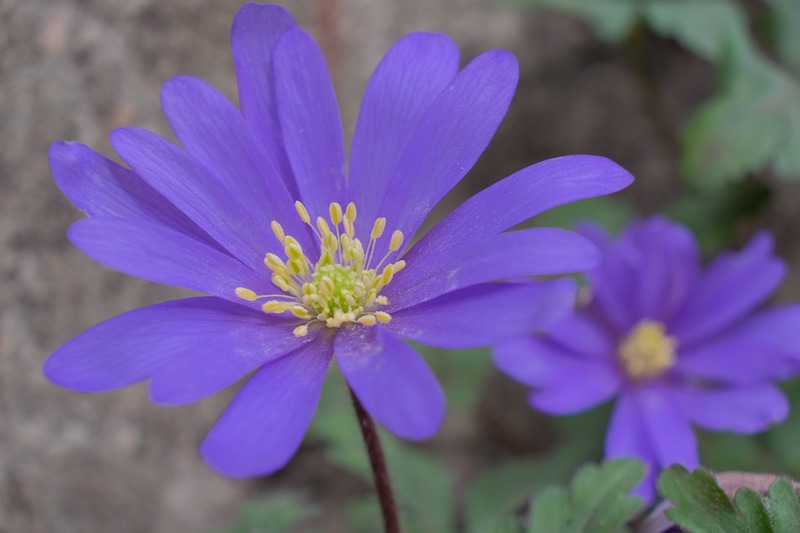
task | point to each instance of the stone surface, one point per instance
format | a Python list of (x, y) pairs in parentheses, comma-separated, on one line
[(76, 69)]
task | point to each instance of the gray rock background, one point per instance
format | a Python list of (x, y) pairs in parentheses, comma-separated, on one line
[(76, 69)]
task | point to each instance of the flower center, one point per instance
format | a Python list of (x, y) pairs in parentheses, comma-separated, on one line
[(341, 286), (647, 351)]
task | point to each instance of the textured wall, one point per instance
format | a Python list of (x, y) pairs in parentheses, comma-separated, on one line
[(72, 69)]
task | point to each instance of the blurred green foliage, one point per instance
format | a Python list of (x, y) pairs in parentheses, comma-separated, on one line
[(280, 512), (753, 120)]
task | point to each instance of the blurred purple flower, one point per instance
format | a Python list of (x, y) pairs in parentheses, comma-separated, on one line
[(676, 346), (291, 283)]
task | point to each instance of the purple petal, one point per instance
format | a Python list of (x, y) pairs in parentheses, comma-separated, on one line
[(646, 273), (567, 384), (264, 425), (519, 197), (741, 409), (450, 138), (580, 392), (765, 347), (100, 187), (485, 314), (537, 362), (538, 251), (582, 334), (667, 427), (309, 118), (405, 84), (611, 286), (202, 195), (154, 252), (669, 265), (391, 380), (214, 133), (627, 436), (134, 346), (730, 287), (222, 361), (255, 31)]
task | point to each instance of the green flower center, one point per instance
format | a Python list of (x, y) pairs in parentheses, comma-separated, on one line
[(647, 351), (341, 287)]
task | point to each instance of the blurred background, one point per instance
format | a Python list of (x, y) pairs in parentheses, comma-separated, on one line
[(699, 99)]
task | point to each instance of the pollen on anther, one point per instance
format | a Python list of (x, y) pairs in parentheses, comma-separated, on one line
[(335, 212), (397, 241), (343, 286), (302, 211), (246, 294)]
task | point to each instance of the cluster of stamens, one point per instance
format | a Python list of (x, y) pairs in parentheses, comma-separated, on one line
[(341, 287), (647, 351)]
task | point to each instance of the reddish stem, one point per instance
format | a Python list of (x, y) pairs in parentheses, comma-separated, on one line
[(379, 470)]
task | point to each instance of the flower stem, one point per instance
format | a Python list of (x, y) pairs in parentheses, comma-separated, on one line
[(379, 470)]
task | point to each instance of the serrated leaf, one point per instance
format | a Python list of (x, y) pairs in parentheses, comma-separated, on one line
[(700, 504), (784, 506), (754, 517), (599, 500)]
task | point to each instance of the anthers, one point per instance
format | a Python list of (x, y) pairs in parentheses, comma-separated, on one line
[(341, 287), (647, 351)]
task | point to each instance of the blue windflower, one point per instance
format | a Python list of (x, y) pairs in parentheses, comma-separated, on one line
[(302, 260), (674, 345)]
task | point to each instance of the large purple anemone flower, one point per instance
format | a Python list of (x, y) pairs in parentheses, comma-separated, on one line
[(675, 345), (302, 260)]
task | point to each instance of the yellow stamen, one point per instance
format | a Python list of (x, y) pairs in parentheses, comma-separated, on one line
[(335, 212), (397, 241), (342, 287), (277, 229), (647, 351), (377, 228), (246, 294), (302, 211)]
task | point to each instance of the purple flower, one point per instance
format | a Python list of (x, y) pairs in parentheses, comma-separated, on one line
[(302, 261), (675, 345)]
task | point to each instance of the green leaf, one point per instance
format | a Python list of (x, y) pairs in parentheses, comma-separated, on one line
[(709, 28), (784, 506), (783, 22), (508, 487), (276, 513), (753, 514), (700, 505), (598, 502), (551, 512), (753, 122)]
